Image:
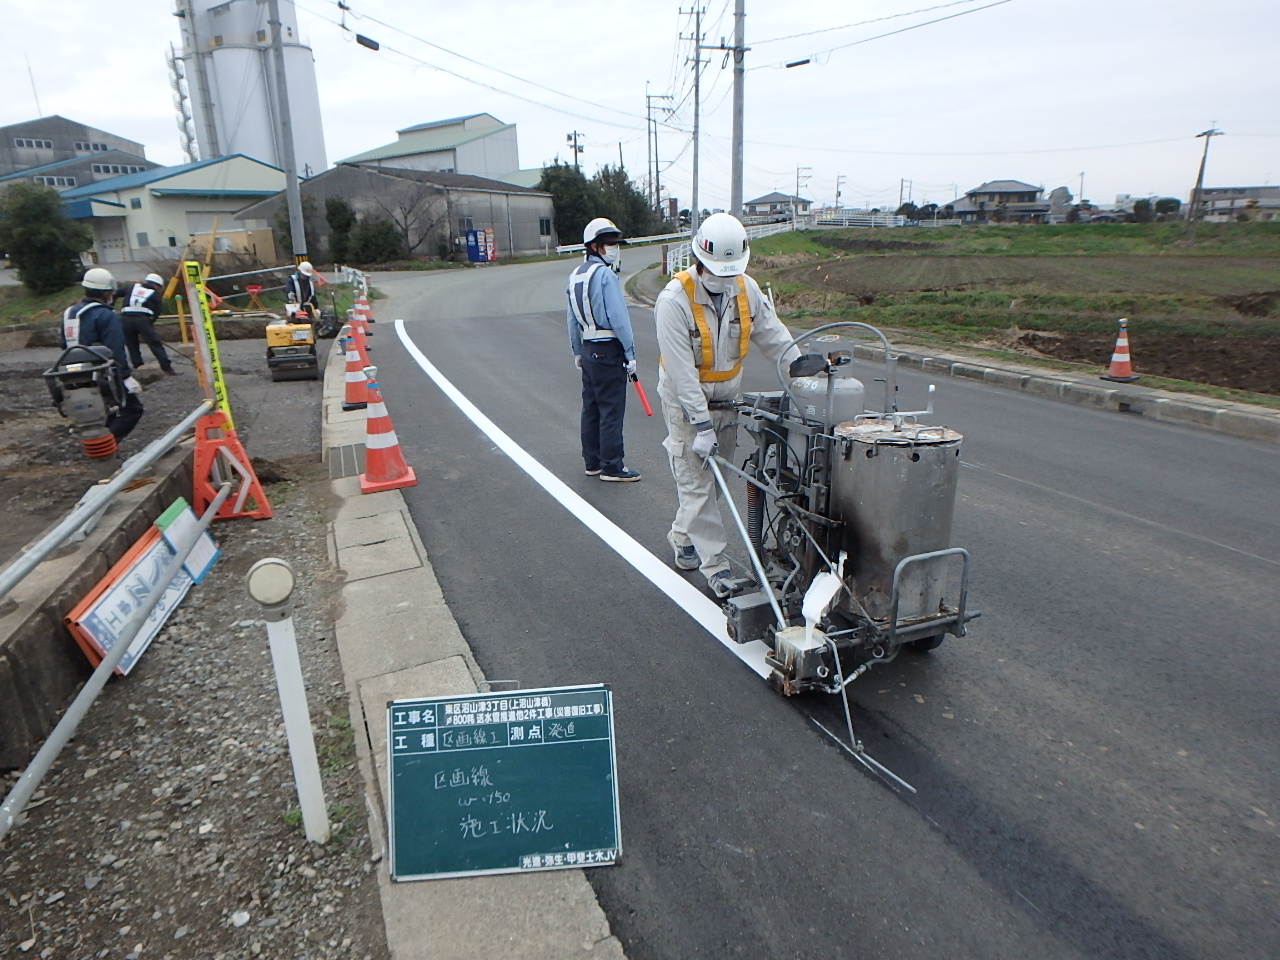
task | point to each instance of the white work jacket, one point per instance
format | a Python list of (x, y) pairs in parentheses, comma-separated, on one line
[(680, 378)]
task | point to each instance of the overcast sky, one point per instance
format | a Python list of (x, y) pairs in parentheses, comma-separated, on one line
[(1045, 91)]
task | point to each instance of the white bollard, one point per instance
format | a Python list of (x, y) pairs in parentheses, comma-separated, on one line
[(271, 583)]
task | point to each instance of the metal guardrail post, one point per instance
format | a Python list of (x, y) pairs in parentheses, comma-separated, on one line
[(22, 791), (96, 500)]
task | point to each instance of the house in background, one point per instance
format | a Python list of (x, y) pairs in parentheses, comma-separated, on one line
[(775, 205), (155, 214), (38, 143), (1225, 204), (1002, 201), (479, 144), (433, 210)]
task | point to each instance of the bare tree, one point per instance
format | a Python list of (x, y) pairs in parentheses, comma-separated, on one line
[(418, 209)]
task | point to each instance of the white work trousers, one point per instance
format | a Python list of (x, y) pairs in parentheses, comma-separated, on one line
[(698, 519)]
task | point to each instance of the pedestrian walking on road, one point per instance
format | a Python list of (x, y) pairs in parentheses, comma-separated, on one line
[(142, 308), (603, 349), (92, 323), (707, 318)]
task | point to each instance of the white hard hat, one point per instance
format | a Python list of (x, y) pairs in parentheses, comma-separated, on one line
[(98, 278), (154, 278), (721, 246), (305, 268), (601, 227)]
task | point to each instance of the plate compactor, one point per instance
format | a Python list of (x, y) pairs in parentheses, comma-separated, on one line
[(847, 527)]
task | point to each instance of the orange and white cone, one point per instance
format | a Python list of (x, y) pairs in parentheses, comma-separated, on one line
[(357, 395), (1121, 367), (358, 332), (384, 466), (362, 309)]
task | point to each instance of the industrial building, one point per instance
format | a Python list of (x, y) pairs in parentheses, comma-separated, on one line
[(478, 144), (156, 214), (50, 141), (433, 210), (227, 63)]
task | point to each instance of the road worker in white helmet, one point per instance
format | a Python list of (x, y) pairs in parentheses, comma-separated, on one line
[(707, 319)]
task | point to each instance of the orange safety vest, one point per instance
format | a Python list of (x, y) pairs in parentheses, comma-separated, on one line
[(703, 352)]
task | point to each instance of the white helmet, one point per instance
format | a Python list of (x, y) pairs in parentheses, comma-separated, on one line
[(154, 278), (305, 268), (720, 244), (98, 278), (600, 228)]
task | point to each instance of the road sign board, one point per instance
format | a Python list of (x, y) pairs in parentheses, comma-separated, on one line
[(502, 783)]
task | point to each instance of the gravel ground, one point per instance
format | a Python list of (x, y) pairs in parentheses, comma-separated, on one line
[(169, 826)]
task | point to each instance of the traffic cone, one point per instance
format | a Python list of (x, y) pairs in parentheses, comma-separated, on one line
[(363, 310), (1121, 368), (357, 396), (362, 345), (385, 468)]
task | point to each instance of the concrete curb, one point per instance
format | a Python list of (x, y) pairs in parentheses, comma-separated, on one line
[(41, 667), (397, 638), (1243, 420)]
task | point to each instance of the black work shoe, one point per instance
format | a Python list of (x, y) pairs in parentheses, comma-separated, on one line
[(622, 475)]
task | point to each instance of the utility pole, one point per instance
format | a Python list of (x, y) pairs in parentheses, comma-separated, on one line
[(738, 52), (801, 177), (297, 228), (572, 138), (1195, 213), (694, 208), (840, 179), (657, 172), (904, 192), (648, 145)]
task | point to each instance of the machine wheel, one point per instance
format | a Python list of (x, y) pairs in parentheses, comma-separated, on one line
[(925, 644)]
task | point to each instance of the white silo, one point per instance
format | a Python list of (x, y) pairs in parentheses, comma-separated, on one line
[(230, 73)]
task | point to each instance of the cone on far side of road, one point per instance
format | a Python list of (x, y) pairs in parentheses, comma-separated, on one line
[(1121, 367), (357, 395), (384, 466)]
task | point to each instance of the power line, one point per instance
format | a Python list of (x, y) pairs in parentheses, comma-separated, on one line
[(863, 23)]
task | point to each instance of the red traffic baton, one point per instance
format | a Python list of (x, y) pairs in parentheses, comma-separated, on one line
[(644, 401)]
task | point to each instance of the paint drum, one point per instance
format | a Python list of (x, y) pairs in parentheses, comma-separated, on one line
[(894, 489)]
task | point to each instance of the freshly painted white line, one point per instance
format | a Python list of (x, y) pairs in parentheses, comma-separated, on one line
[(707, 613)]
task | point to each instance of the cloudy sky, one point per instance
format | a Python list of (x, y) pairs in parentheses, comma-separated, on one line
[(1110, 93)]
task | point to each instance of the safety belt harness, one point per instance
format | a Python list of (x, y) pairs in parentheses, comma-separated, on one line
[(580, 303), (704, 359)]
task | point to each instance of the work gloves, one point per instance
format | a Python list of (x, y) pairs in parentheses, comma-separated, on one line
[(704, 443), (132, 385), (630, 366), (577, 361)]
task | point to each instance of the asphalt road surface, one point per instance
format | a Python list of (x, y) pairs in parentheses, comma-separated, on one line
[(1096, 762)]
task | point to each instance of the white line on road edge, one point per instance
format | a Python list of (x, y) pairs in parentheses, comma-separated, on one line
[(686, 596)]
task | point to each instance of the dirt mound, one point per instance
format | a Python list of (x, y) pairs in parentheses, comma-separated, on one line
[(861, 245), (1253, 304), (1242, 363)]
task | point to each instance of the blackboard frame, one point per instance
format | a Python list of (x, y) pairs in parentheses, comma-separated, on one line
[(479, 783)]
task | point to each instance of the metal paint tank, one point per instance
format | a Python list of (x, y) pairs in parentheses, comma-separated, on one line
[(847, 398), (894, 487)]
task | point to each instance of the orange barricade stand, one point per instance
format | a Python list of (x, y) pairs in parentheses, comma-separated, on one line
[(220, 457)]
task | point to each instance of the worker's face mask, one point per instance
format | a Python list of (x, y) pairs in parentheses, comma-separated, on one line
[(716, 284), (611, 254)]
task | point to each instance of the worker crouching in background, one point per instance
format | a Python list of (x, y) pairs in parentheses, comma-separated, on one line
[(143, 304), (92, 323), (706, 319)]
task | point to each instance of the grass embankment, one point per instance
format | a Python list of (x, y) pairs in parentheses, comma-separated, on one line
[(993, 286)]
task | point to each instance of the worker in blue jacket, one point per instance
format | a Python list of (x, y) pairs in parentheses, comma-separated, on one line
[(603, 349), (92, 323)]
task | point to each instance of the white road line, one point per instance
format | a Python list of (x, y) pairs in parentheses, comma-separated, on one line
[(707, 613)]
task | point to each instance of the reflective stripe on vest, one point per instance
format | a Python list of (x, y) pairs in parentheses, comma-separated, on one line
[(138, 299), (704, 358), (580, 303), (71, 324)]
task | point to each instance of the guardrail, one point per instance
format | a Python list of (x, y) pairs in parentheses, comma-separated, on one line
[(632, 242), (680, 257), (95, 502)]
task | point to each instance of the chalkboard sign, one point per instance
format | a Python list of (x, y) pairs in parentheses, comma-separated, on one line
[(502, 783)]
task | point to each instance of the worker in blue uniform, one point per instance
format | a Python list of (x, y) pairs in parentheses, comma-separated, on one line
[(603, 349), (92, 323), (143, 304)]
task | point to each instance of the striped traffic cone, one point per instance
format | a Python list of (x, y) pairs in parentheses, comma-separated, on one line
[(384, 467), (1121, 368), (362, 308), (358, 333), (357, 396)]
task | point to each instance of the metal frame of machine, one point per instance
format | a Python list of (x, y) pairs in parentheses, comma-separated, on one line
[(847, 529)]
